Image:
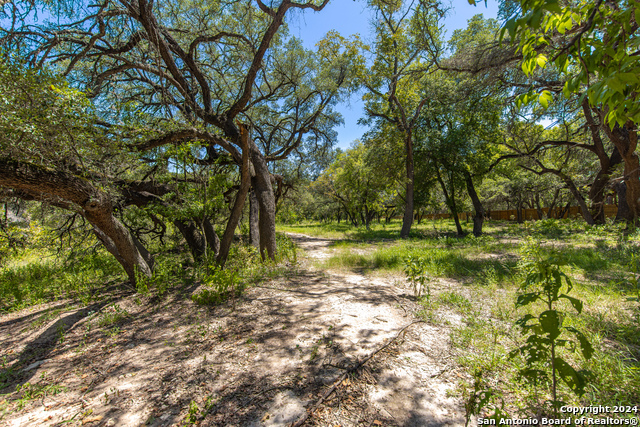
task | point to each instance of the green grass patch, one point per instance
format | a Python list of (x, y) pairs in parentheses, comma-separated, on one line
[(37, 278)]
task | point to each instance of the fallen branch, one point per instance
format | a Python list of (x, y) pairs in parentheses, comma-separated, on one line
[(335, 385)]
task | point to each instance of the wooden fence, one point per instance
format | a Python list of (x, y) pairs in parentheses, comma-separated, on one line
[(610, 211)]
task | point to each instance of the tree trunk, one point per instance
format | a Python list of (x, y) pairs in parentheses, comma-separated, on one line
[(193, 236), (117, 237), (586, 214), (597, 192), (238, 205), (266, 202), (519, 212), (625, 138), (478, 218), (213, 241), (451, 203), (407, 220), (72, 192), (565, 211), (624, 213), (539, 210), (553, 203), (254, 232)]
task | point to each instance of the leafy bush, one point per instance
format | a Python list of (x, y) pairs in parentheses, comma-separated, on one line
[(417, 276)]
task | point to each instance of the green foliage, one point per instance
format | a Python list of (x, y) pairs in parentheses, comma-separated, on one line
[(219, 286), (168, 272), (634, 283), (112, 315), (546, 335), (455, 300), (45, 121), (589, 42), (358, 183), (192, 414), (33, 278), (416, 271), (483, 399), (286, 249)]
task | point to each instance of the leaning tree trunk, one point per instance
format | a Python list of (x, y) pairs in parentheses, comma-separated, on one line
[(72, 192), (478, 218), (266, 202), (407, 220), (114, 235), (238, 205), (450, 201), (586, 214), (213, 241)]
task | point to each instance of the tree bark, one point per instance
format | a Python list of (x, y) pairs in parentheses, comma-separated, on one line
[(193, 237), (266, 202), (254, 231), (597, 192), (625, 138), (624, 213), (407, 220), (451, 203), (213, 241), (565, 211), (553, 203), (238, 205), (478, 218), (586, 214)]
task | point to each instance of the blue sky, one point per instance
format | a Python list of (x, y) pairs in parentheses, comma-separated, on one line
[(352, 17)]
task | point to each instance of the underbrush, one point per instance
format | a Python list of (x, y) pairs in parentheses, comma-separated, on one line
[(37, 276), (244, 268), (41, 275), (608, 319)]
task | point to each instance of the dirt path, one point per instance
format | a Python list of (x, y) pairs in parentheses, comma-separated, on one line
[(130, 362)]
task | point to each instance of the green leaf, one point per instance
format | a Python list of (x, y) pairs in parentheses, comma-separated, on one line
[(526, 299), (585, 346), (628, 77), (575, 302), (616, 84), (566, 91), (541, 60), (545, 98), (511, 27), (522, 322), (573, 379), (553, 6), (550, 322)]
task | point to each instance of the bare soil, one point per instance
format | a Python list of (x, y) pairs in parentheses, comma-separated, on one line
[(262, 360)]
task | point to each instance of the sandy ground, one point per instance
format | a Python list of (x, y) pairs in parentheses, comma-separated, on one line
[(260, 361)]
